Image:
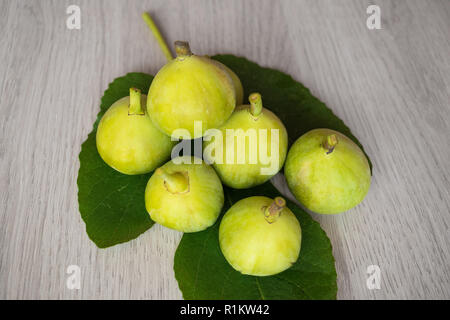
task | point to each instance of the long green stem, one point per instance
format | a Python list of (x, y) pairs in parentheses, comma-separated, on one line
[(154, 29), (135, 107)]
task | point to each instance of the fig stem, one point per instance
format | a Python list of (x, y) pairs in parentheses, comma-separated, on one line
[(182, 49), (135, 107), (255, 104), (155, 31), (330, 143), (176, 182), (272, 212)]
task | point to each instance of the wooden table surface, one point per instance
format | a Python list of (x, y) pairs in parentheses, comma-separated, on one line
[(390, 86)]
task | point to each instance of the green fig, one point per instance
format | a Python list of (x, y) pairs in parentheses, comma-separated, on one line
[(184, 194), (327, 172), (236, 82), (128, 141), (249, 148), (191, 89), (259, 236)]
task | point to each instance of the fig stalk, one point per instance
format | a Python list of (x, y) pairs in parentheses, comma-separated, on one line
[(255, 104), (154, 29), (182, 49), (135, 107), (272, 212), (176, 182), (330, 143)]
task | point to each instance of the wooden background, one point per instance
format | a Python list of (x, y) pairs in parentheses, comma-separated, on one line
[(390, 86)]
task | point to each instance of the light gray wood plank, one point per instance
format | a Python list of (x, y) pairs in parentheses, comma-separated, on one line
[(390, 86)]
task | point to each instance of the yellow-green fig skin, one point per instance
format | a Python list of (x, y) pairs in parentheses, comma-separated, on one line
[(327, 176), (236, 81), (242, 176), (191, 88), (184, 197), (130, 143), (254, 245)]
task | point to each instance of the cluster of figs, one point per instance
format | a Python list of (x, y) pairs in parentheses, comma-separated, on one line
[(326, 171)]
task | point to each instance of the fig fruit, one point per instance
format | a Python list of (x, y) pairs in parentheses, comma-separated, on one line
[(259, 236), (128, 141), (184, 196), (236, 82), (250, 148), (327, 172), (191, 88)]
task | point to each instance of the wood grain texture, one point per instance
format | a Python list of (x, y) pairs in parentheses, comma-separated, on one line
[(390, 86)]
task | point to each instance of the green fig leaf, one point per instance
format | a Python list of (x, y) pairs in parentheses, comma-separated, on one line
[(112, 204), (292, 102), (203, 273), (113, 208)]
